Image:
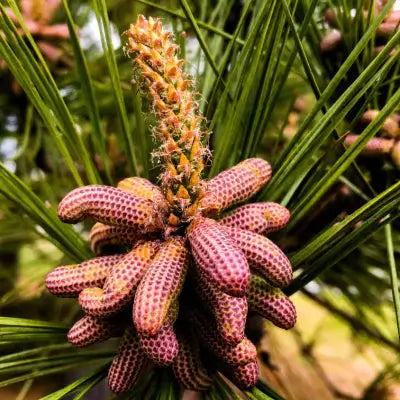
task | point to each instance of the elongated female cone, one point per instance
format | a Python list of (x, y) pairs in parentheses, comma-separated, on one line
[(105, 235), (128, 364), (238, 354), (120, 285), (143, 188), (217, 257), (271, 303), (110, 206), (162, 348), (245, 376), (235, 185), (160, 286), (262, 218), (89, 330), (180, 127), (265, 257), (188, 367), (70, 280), (230, 312)]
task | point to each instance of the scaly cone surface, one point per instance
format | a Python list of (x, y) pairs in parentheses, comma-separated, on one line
[(189, 272)]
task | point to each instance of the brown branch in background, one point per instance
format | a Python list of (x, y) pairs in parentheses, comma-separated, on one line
[(307, 352), (353, 322)]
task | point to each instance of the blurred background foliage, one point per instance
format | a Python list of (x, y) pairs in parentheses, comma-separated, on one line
[(274, 82)]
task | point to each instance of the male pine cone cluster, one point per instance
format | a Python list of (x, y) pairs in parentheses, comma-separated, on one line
[(37, 16), (228, 262), (386, 144), (195, 264), (335, 40)]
